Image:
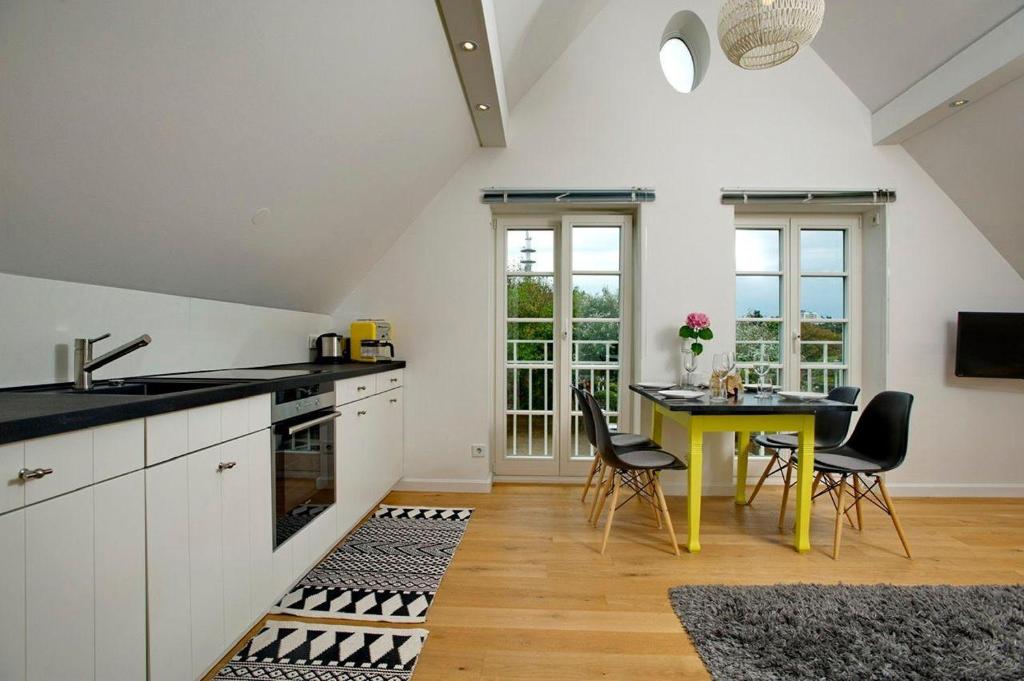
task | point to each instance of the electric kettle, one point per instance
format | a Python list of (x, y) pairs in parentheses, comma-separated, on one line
[(330, 347)]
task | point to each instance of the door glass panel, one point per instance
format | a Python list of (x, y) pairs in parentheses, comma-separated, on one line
[(595, 249), (530, 250), (595, 296), (529, 411), (531, 297), (751, 339), (758, 250), (822, 250), (758, 296), (530, 342), (823, 343), (822, 297)]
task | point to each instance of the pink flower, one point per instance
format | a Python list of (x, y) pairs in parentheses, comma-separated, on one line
[(697, 321)]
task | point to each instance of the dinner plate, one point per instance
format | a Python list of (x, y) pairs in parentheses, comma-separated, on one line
[(656, 385), (684, 394), (802, 396)]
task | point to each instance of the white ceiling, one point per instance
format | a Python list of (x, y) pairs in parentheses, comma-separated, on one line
[(534, 33), (141, 138), (977, 157), (882, 47)]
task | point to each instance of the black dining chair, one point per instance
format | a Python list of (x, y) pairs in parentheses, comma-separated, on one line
[(636, 469), (621, 441), (878, 445), (830, 429)]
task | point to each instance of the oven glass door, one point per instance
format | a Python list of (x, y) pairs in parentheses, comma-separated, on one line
[(304, 485)]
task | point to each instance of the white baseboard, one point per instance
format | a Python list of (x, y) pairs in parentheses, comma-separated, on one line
[(981, 489), (544, 479), (443, 485)]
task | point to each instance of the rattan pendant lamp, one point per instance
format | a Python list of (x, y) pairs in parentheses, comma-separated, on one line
[(759, 34)]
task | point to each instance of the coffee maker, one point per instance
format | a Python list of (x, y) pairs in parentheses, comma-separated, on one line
[(371, 341)]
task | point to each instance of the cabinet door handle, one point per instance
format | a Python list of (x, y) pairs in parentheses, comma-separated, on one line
[(226, 465), (394, 380), (393, 401), (34, 473), (360, 413), (360, 387)]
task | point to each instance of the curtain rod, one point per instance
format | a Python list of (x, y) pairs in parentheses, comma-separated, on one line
[(809, 196), (520, 195)]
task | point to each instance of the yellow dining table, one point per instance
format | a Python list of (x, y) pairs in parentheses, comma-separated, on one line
[(743, 416)]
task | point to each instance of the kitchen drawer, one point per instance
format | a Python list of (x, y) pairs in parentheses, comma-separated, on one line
[(69, 455), (12, 489), (389, 380), (352, 389), (234, 419), (259, 412), (118, 449), (166, 436), (204, 427)]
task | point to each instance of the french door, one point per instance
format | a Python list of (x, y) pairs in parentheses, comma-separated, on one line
[(563, 318)]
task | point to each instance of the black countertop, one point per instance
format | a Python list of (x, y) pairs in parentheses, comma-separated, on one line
[(26, 415), (747, 404)]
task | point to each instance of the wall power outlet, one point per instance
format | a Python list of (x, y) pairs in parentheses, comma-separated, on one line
[(478, 451)]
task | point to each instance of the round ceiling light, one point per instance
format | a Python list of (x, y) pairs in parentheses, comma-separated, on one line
[(677, 64), (468, 45), (482, 107), (759, 34), (957, 103)]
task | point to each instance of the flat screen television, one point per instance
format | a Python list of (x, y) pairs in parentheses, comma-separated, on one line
[(990, 344)]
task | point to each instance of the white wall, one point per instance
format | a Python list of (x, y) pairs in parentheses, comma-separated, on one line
[(42, 317), (603, 115)]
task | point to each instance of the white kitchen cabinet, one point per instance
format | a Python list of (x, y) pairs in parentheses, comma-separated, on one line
[(167, 570), (120, 541), (261, 522), (118, 448), (68, 455), (12, 595), (204, 426), (12, 491), (59, 592), (236, 538), (393, 447), (206, 557), (352, 389), (166, 436), (389, 380)]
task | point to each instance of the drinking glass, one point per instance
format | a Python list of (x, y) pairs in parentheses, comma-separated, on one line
[(690, 365), (719, 370)]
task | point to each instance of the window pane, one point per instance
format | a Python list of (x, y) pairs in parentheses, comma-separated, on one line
[(822, 343), (758, 250), (530, 250), (530, 342), (758, 296), (822, 297), (822, 250), (595, 249), (595, 295), (531, 297), (751, 337), (595, 342)]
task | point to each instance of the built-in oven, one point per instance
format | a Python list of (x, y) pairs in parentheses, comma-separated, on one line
[(303, 457)]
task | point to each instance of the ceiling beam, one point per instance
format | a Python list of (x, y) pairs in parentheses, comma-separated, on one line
[(473, 38), (986, 65)]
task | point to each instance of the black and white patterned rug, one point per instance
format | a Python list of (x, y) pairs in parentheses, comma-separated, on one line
[(388, 570), (326, 652)]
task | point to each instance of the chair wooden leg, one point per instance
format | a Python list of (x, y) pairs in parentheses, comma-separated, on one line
[(832, 481), (856, 494), (764, 476), (611, 511), (649, 481), (814, 487), (664, 510), (892, 514), (785, 493), (838, 535), (601, 495), (590, 477)]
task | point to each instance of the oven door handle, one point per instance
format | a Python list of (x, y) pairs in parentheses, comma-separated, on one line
[(315, 422)]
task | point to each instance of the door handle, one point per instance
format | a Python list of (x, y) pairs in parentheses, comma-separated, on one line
[(27, 474), (226, 465), (315, 422)]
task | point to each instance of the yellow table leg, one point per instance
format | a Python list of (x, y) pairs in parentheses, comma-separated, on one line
[(804, 473), (656, 424), (693, 493), (742, 445)]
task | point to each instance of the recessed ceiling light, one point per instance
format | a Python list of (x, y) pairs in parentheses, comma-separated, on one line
[(957, 103), (482, 107), (468, 45)]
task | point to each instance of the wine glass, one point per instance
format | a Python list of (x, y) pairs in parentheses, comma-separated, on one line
[(762, 367), (720, 368), (690, 365)]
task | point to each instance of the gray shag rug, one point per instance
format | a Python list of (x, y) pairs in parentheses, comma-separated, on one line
[(816, 631)]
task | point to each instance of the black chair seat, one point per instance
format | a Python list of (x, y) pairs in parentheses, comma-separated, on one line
[(844, 460), (650, 459), (632, 440)]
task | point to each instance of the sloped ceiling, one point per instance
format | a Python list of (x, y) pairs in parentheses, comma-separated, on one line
[(880, 48), (253, 151), (534, 33)]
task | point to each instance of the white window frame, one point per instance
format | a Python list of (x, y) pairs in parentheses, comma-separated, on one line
[(791, 226)]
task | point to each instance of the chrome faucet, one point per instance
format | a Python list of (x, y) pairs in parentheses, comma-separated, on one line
[(85, 364)]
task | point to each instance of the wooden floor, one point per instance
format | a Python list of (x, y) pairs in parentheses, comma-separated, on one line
[(529, 597)]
